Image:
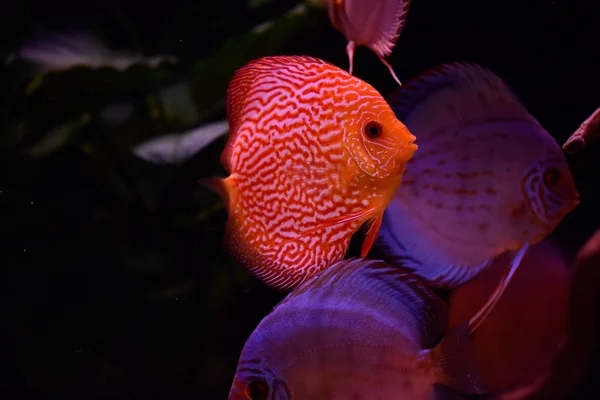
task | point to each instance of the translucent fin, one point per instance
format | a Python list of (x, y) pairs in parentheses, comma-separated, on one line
[(455, 364), (393, 15), (335, 221), (375, 24), (373, 226), (478, 318), (380, 279), (389, 67)]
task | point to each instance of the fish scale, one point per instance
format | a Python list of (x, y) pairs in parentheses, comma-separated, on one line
[(476, 188), (304, 177)]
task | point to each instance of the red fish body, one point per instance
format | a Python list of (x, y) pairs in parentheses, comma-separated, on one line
[(520, 338), (313, 154)]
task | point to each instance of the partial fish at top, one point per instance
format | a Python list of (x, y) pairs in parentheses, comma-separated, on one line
[(313, 154), (487, 178), (375, 24), (358, 329)]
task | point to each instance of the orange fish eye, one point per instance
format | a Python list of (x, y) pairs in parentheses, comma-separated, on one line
[(257, 390), (373, 129), (551, 176)]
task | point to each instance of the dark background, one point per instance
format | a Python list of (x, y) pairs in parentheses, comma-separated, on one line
[(114, 283)]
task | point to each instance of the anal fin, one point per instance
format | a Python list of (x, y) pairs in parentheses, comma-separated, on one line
[(485, 310)]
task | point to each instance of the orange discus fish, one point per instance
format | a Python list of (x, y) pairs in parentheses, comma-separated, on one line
[(313, 154)]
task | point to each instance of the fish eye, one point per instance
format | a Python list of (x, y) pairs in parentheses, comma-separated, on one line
[(551, 176), (257, 390), (373, 129)]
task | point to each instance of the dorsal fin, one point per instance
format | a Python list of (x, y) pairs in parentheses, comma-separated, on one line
[(468, 80), (345, 272), (393, 285), (248, 78)]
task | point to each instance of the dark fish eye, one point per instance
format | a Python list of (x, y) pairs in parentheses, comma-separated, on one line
[(257, 390), (551, 176), (373, 129)]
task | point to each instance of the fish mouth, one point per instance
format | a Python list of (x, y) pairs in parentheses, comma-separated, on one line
[(411, 146)]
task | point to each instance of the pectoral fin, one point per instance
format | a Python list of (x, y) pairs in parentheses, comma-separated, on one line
[(336, 221), (371, 235)]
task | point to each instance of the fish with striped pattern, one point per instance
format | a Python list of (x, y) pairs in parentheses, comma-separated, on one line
[(360, 329), (314, 153)]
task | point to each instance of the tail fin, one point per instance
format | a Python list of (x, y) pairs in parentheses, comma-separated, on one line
[(456, 367), (220, 186)]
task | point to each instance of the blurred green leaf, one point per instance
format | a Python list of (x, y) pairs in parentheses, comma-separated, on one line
[(64, 96), (58, 137)]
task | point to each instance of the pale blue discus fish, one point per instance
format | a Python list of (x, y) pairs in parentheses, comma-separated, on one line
[(361, 329), (487, 178)]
